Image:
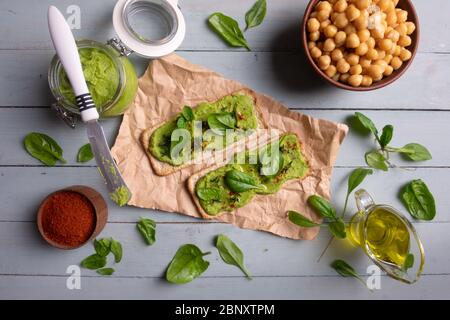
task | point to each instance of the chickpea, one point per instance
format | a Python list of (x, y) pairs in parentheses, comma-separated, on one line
[(402, 15), (372, 54), (333, 16), (349, 29), (385, 5), (405, 54), (360, 23), (352, 12), (363, 35), (385, 44), (391, 18), (362, 49), (313, 25), (398, 50), (383, 64), (314, 36), (404, 41), (344, 77), (381, 54), (315, 52), (362, 4), (366, 81), (396, 63), (329, 45), (324, 62), (336, 76), (352, 59), (324, 24), (393, 35), (388, 71), (364, 62), (352, 41), (322, 15), (355, 80), (340, 38), (388, 58), (341, 21), (410, 27), (330, 31), (331, 71), (375, 72), (311, 44), (340, 6), (356, 69), (324, 5), (336, 55), (402, 29), (342, 66), (378, 32), (371, 43)]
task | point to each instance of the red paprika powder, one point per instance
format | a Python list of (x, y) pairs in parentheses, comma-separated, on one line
[(68, 218)]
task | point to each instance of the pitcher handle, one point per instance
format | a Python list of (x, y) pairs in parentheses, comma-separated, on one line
[(363, 200)]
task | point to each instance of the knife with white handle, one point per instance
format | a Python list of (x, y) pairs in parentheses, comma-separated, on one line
[(67, 51)]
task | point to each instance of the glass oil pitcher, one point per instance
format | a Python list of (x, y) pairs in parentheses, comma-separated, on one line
[(388, 238)]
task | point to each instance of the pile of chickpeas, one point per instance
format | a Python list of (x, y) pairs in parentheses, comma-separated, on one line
[(359, 42)]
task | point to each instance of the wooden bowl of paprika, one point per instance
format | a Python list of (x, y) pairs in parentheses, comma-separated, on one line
[(69, 218)]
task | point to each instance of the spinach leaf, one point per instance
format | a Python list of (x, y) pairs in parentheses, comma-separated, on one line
[(301, 220), (43, 148), (376, 160), (322, 207), (228, 28), (187, 264), (85, 153), (147, 228), (415, 152), (187, 113), (346, 270), (386, 135), (116, 249), (105, 271), (238, 181), (220, 122), (354, 180), (418, 200), (231, 254), (181, 123), (209, 194), (102, 246), (337, 228), (367, 123), (227, 119), (255, 16), (94, 261)]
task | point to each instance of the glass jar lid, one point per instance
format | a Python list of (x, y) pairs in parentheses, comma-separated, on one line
[(151, 28)]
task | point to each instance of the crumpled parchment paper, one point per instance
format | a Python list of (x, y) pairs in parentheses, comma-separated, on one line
[(170, 83)]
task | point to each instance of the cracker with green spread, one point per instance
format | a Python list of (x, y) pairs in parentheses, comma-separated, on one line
[(225, 188), (238, 111)]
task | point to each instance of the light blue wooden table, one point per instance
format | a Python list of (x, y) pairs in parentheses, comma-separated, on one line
[(417, 105)]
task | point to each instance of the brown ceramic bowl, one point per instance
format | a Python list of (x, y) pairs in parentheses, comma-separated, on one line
[(100, 208), (412, 16)]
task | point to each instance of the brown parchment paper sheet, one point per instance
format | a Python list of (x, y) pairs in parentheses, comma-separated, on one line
[(172, 82)]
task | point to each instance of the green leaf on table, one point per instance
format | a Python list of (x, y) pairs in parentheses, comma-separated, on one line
[(301, 220), (386, 135), (228, 28), (367, 123), (238, 181), (209, 194), (147, 228), (186, 265), (322, 207), (356, 178), (93, 262), (337, 228), (102, 246), (85, 153), (116, 249), (419, 200), (255, 16), (346, 270), (231, 254), (376, 160), (105, 271), (187, 113), (43, 148), (415, 152)]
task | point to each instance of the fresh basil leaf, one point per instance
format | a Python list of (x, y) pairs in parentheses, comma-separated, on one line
[(147, 228), (337, 228), (105, 271), (376, 160), (409, 262), (415, 152), (43, 148), (209, 194), (255, 16), (187, 264), (238, 181), (231, 254), (367, 123), (418, 200), (116, 249), (386, 135), (346, 270), (93, 262), (322, 207), (85, 153), (181, 123), (215, 125), (228, 28), (301, 220), (102, 246), (187, 113), (271, 163), (356, 178), (227, 119)]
